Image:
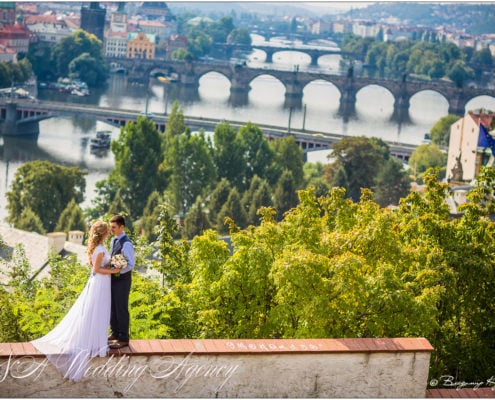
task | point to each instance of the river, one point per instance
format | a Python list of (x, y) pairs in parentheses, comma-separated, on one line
[(66, 140)]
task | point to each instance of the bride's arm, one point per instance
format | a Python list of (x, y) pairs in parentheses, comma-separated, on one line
[(98, 268)]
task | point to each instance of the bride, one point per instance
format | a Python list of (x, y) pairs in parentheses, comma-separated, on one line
[(82, 333)]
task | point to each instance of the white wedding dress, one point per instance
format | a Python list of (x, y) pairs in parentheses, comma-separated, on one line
[(82, 333)]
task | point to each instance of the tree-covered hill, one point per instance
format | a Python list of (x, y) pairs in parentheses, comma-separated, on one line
[(474, 18)]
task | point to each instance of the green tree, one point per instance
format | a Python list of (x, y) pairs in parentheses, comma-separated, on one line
[(227, 154), (361, 158), (45, 188), (30, 222), (119, 206), (426, 156), (151, 212), (193, 171), (198, 43), (175, 123), (106, 190), (256, 153), (285, 195), (313, 176), (239, 36), (480, 61), (392, 183), (460, 73), (74, 46), (440, 132), (262, 197), (218, 198), (248, 195), (40, 56), (233, 210), (137, 158), (339, 178), (89, 69), (72, 218), (196, 221), (287, 155), (5, 75), (180, 55)]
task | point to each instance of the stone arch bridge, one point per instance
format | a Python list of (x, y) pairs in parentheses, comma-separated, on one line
[(269, 50), (240, 76)]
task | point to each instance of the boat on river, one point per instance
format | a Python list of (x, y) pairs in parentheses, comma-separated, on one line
[(101, 141)]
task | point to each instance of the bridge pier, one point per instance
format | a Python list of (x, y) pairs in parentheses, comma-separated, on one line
[(347, 106), (269, 56), (239, 98), (457, 104), (314, 59), (401, 109), (188, 78), (293, 94), (13, 126)]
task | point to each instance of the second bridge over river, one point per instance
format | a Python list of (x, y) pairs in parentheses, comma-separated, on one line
[(21, 117)]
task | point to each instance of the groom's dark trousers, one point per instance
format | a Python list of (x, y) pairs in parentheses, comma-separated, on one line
[(119, 315)]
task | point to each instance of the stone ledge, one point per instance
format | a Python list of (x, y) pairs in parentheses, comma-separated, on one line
[(240, 346), (228, 368)]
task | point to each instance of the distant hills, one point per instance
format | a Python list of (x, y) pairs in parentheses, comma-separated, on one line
[(474, 18)]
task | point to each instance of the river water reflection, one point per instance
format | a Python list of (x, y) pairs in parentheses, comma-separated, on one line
[(66, 140)]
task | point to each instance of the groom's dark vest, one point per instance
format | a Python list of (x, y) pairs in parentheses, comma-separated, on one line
[(117, 249), (119, 244)]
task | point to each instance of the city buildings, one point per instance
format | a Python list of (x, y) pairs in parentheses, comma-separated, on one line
[(48, 28), (141, 45), (470, 147)]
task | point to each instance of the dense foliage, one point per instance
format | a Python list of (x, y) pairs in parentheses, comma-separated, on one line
[(77, 56), (330, 268), (202, 34), (420, 59), (45, 189), (12, 74)]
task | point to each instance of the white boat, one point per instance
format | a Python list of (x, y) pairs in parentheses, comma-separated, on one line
[(101, 141)]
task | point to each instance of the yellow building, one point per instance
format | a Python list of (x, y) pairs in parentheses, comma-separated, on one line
[(141, 45)]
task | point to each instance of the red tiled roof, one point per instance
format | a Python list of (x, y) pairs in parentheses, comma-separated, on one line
[(484, 118), (44, 19)]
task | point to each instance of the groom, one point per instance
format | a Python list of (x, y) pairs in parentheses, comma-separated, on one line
[(121, 285)]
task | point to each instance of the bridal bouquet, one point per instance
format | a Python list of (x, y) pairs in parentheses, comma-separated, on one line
[(118, 261)]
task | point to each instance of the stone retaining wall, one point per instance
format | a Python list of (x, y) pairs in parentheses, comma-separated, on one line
[(257, 368)]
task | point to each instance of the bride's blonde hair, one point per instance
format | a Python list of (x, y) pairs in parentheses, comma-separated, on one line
[(97, 235)]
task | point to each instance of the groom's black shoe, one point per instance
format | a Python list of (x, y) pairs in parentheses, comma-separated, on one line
[(118, 345), (112, 338)]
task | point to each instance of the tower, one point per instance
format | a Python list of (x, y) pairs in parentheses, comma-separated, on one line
[(118, 20), (93, 19)]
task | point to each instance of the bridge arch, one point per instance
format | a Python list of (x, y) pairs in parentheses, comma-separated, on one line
[(208, 71), (276, 82), (486, 101), (360, 88), (322, 79), (325, 86), (156, 72), (385, 99), (270, 54), (439, 103)]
